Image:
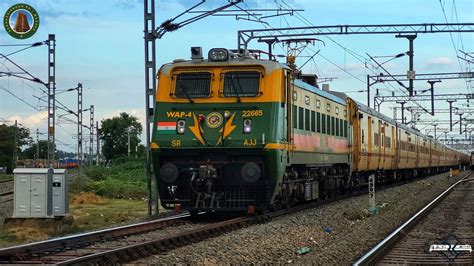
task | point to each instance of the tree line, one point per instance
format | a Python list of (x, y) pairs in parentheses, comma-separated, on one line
[(114, 135)]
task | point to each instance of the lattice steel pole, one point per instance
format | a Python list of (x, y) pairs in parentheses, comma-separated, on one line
[(91, 135), (79, 134), (37, 145), (51, 96), (97, 135), (15, 133), (150, 85)]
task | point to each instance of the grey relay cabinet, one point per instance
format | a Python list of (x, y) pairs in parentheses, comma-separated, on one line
[(60, 192), (32, 187), (40, 193)]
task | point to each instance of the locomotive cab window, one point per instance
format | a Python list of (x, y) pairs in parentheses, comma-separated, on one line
[(193, 85), (241, 84)]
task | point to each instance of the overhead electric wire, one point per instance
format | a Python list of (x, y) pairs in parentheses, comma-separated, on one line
[(353, 53), (18, 98), (454, 45)]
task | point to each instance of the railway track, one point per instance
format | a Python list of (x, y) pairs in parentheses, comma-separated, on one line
[(448, 219), (6, 190), (80, 249), (66, 248)]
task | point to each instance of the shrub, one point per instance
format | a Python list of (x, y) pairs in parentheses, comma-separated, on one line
[(125, 178), (96, 172), (118, 188)]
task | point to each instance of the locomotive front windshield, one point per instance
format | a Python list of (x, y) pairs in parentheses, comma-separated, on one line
[(241, 84), (193, 85)]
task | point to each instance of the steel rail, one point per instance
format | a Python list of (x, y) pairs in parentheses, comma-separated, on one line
[(6, 194), (26, 250), (383, 246), (137, 251)]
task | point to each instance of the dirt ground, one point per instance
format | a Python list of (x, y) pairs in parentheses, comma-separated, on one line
[(89, 212)]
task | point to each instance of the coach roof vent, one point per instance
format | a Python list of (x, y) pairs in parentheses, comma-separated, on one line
[(325, 87), (311, 79)]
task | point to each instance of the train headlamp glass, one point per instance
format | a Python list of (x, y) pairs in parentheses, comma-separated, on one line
[(180, 126), (218, 54), (226, 114), (247, 125)]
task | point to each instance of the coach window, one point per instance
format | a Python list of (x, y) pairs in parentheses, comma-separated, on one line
[(345, 129), (241, 84), (323, 120), (328, 124), (318, 122), (306, 119), (295, 116), (193, 85), (333, 126), (300, 118), (341, 126), (313, 121)]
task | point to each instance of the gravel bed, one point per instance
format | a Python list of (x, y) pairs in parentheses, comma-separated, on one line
[(336, 233)]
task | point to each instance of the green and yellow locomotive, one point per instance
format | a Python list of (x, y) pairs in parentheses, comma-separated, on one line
[(226, 132), (243, 134)]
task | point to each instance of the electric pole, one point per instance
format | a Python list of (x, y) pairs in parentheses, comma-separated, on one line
[(403, 111), (97, 135), (460, 123), (37, 145), (91, 135), (451, 114), (15, 145), (432, 82), (128, 136), (51, 97), (79, 134)]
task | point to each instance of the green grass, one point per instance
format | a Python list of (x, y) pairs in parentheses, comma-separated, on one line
[(5, 177), (125, 179), (112, 211)]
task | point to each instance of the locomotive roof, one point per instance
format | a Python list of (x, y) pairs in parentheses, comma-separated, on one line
[(268, 65)]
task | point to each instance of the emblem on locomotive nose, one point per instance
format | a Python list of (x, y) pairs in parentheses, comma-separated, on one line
[(214, 120)]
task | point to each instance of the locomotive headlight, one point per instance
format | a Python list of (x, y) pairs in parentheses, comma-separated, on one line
[(247, 125), (180, 126), (218, 54), (226, 114)]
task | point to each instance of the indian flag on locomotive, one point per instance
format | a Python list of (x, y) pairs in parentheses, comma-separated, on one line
[(166, 127)]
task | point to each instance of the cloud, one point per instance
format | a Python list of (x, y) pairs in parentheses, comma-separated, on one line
[(127, 4), (439, 61), (31, 121)]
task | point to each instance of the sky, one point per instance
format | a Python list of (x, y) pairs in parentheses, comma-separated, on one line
[(100, 44)]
